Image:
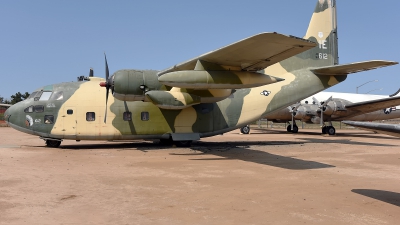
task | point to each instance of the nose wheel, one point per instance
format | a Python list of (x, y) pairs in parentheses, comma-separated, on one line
[(53, 143)]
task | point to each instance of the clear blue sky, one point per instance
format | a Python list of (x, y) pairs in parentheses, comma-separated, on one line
[(52, 41)]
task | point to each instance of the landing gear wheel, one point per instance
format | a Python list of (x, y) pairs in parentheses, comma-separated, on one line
[(323, 130), (166, 142), (53, 143), (295, 129), (289, 128), (245, 129), (182, 143), (331, 130)]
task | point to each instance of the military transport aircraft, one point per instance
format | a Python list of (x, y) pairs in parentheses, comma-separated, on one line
[(208, 95), (335, 106), (389, 129)]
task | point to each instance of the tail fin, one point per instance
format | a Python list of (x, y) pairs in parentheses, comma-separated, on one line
[(322, 30)]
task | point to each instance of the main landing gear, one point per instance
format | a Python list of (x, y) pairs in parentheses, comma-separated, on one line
[(179, 144), (245, 129), (295, 128), (329, 130)]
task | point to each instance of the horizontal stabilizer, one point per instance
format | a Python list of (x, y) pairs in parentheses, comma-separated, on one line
[(352, 67), (251, 54), (389, 129)]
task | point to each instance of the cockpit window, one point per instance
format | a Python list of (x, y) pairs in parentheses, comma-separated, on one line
[(57, 95), (38, 108), (45, 96), (37, 96), (29, 109), (32, 95)]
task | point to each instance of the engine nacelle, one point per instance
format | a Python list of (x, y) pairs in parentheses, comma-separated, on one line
[(130, 85), (334, 106)]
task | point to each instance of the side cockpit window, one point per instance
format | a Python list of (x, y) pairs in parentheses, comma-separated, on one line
[(29, 109), (32, 95), (57, 95), (38, 108), (37, 95), (45, 96), (34, 108)]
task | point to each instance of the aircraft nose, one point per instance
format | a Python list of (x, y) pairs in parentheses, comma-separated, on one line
[(7, 115)]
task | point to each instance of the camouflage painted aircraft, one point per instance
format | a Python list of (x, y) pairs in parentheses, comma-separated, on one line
[(334, 106), (208, 95)]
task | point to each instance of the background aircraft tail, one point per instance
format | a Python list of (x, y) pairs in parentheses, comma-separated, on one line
[(322, 29)]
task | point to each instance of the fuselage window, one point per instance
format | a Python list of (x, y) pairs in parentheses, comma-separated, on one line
[(38, 108), (37, 96), (127, 116), (48, 119), (45, 96), (144, 116), (29, 109), (90, 116), (70, 111), (57, 95)]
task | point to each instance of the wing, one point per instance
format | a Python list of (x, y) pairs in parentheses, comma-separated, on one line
[(5, 105), (370, 106), (251, 54), (390, 129), (352, 67)]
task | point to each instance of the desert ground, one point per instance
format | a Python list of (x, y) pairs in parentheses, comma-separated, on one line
[(266, 177)]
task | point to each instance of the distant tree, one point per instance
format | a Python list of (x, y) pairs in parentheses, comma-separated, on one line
[(18, 97), (4, 101)]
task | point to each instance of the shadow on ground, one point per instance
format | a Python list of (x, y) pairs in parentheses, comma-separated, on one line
[(385, 196)]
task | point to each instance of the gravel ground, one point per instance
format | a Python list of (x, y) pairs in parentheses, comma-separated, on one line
[(267, 177)]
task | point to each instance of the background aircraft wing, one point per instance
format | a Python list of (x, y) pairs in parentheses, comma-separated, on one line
[(390, 129), (352, 67), (370, 106), (5, 105), (251, 54)]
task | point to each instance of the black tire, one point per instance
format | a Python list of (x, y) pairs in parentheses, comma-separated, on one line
[(295, 129), (53, 143), (166, 142), (289, 128), (181, 144), (245, 130), (324, 130), (331, 130)]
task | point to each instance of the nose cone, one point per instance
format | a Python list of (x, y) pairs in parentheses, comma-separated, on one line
[(7, 115)]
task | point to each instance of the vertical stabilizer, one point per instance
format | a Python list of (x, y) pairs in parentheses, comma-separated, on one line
[(322, 29)]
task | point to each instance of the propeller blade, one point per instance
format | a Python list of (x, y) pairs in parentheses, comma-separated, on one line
[(316, 101), (107, 86), (105, 113), (327, 101), (107, 72)]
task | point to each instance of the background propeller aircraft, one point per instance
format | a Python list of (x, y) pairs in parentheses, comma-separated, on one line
[(333, 106), (208, 95)]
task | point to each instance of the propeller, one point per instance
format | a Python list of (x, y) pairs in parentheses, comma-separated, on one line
[(322, 106), (107, 85)]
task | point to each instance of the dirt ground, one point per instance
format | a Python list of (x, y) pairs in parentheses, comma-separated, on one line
[(267, 177)]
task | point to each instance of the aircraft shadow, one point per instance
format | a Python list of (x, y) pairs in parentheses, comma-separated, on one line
[(364, 134), (343, 141), (385, 196), (242, 151)]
